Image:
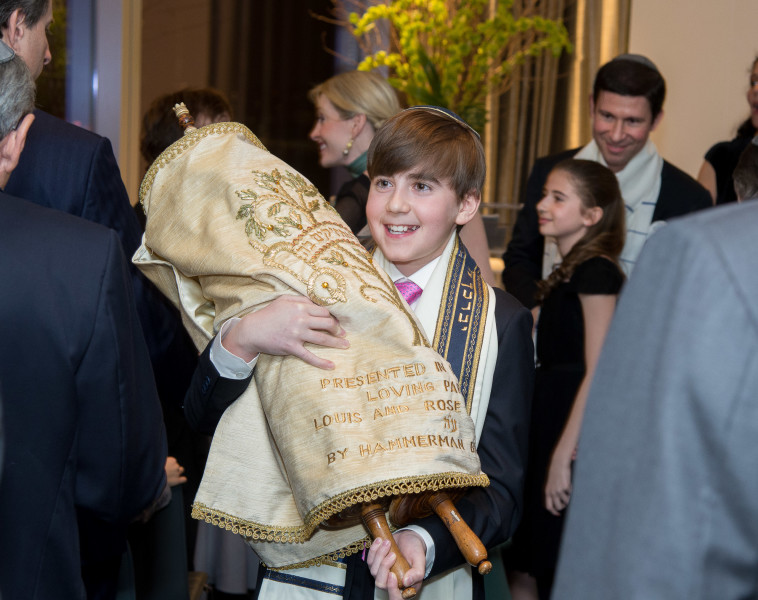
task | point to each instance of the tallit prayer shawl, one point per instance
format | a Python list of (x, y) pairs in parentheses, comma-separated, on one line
[(230, 228)]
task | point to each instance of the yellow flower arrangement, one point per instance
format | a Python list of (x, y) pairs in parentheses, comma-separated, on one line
[(450, 53)]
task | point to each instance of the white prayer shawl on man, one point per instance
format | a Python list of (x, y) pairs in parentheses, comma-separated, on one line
[(230, 227), (640, 183)]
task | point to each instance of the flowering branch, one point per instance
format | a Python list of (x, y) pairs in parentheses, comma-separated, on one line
[(450, 53)]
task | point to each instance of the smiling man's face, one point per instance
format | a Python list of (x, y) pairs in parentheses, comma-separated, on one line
[(621, 126)]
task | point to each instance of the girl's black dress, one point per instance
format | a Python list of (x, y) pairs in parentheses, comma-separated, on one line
[(560, 369)]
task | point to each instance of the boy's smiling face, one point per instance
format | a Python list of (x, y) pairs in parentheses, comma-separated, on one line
[(412, 215)]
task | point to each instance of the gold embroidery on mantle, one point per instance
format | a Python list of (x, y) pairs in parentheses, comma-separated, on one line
[(281, 223)]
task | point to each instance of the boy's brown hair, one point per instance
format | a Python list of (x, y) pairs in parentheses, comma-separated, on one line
[(433, 142)]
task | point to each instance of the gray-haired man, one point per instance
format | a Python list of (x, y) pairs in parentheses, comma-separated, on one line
[(84, 440)]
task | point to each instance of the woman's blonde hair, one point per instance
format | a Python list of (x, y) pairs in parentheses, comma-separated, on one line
[(359, 92)]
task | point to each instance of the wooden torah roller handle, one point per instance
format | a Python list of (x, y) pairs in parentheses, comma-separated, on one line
[(186, 120), (404, 509), (376, 522), (352, 515)]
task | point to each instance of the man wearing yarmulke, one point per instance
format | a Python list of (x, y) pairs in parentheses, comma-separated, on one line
[(625, 107)]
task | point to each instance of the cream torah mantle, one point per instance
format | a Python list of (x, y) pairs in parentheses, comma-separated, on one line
[(230, 227)]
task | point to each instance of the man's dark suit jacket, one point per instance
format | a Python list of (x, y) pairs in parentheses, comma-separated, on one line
[(493, 512), (84, 441), (679, 195), (71, 169)]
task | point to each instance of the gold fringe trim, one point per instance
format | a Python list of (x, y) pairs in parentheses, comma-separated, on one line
[(186, 142), (248, 529), (392, 487), (367, 493)]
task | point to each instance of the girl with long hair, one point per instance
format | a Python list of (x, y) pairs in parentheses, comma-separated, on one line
[(583, 210)]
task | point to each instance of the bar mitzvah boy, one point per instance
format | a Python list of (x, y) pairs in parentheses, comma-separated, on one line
[(427, 170)]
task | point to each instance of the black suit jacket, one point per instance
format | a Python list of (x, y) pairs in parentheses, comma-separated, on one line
[(71, 169), (84, 440), (679, 195), (493, 512)]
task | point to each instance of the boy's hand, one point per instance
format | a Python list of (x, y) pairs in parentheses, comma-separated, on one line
[(283, 327), (380, 560)]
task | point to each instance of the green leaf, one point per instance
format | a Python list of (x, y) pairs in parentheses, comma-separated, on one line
[(430, 71), (453, 53)]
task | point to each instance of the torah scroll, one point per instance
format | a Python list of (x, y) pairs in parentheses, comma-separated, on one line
[(230, 227)]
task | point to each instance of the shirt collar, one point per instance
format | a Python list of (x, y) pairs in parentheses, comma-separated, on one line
[(420, 278)]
